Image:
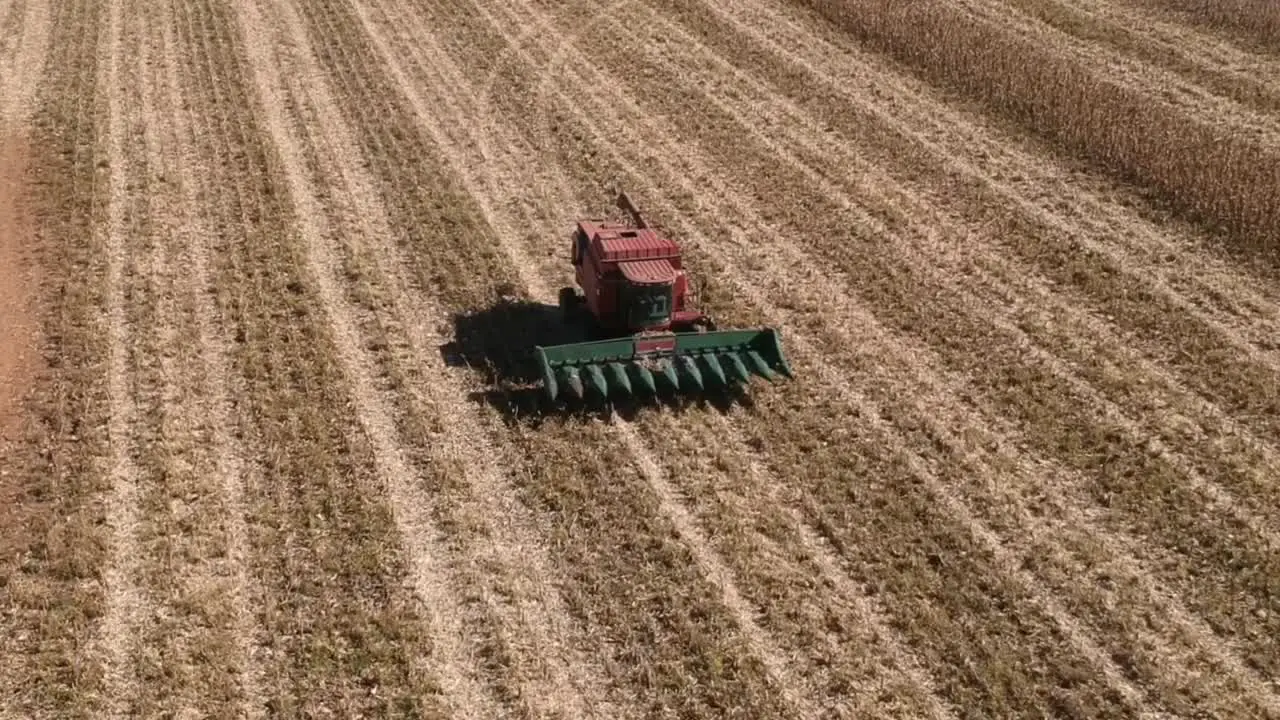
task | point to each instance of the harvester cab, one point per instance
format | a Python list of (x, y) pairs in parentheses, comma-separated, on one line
[(632, 280), (635, 300)]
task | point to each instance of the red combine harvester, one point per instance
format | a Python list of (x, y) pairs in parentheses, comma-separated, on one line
[(635, 303)]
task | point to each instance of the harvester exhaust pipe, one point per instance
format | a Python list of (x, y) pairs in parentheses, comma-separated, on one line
[(624, 202)]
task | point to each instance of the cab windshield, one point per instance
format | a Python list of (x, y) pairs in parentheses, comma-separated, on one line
[(649, 305)]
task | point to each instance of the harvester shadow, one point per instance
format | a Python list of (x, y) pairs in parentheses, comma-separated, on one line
[(497, 344)]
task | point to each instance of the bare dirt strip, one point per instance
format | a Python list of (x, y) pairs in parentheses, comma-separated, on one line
[(261, 253)]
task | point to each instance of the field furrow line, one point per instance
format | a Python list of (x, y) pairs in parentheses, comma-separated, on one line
[(605, 109), (171, 536), (125, 602), (997, 294), (552, 675), (427, 553), (1160, 86), (485, 187), (715, 569), (752, 106), (164, 453), (231, 461), (199, 615), (1245, 311)]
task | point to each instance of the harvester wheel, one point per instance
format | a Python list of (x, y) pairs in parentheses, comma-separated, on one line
[(704, 324), (569, 302)]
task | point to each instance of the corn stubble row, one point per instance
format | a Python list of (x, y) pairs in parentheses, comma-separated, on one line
[(1227, 181), (1257, 20)]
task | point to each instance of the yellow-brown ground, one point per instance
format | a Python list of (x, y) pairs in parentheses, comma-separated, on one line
[(1029, 467)]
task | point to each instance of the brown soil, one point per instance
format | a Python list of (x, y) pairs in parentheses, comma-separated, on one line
[(19, 354), (20, 362)]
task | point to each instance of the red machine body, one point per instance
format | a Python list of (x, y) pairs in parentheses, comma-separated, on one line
[(632, 278), (636, 304)]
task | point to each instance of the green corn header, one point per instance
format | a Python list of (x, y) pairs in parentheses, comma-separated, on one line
[(677, 361)]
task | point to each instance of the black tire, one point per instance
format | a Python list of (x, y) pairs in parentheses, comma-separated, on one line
[(704, 324), (568, 304)]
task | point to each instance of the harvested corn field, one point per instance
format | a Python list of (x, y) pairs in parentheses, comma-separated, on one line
[(263, 264)]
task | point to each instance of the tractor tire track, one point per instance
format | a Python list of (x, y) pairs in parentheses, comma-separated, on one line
[(460, 448), (126, 604)]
